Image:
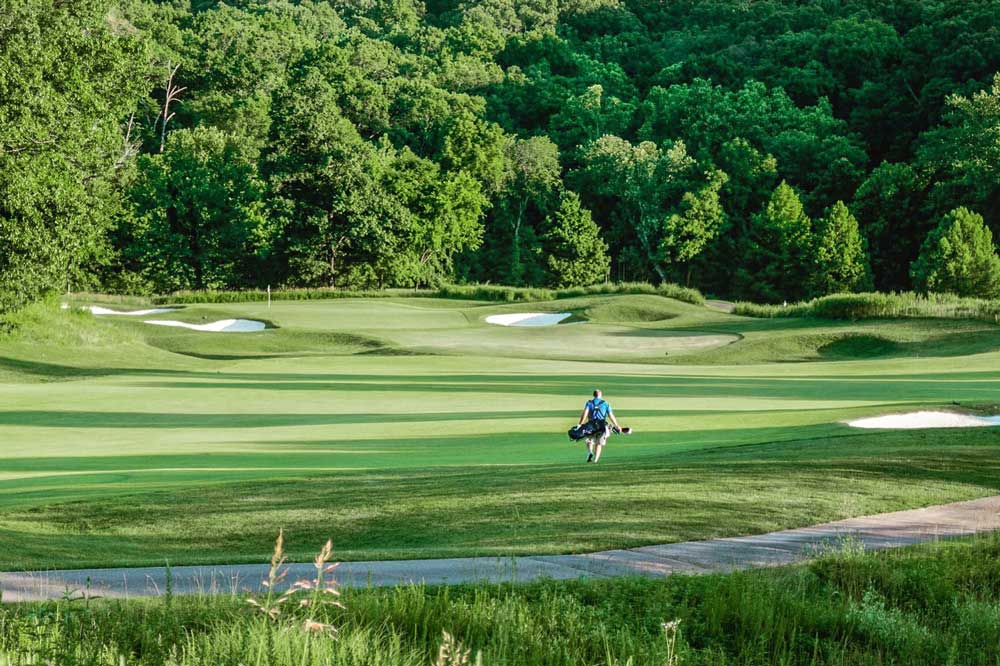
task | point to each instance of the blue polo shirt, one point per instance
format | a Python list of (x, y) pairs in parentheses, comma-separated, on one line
[(599, 409)]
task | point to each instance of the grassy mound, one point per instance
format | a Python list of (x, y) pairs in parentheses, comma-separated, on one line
[(796, 340), (945, 343), (859, 346), (44, 342), (635, 309), (47, 324), (267, 344)]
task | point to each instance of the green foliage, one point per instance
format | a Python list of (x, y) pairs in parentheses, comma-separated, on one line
[(881, 306), (69, 79), (890, 206), (959, 257), (198, 219), (475, 292), (841, 259), (965, 153), (575, 252), (407, 144), (687, 232), (257, 295), (814, 150), (512, 245), (640, 184), (779, 257)]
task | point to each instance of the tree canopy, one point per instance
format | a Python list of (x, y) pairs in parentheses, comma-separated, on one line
[(959, 257), (758, 150)]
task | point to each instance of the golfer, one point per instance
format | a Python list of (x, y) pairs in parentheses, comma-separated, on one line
[(598, 411)]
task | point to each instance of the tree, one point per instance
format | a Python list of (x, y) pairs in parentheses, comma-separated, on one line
[(586, 117), (753, 176), (476, 147), (68, 84), (443, 216), (779, 257), (575, 253), (890, 207), (688, 231), (198, 213), (531, 178), (965, 154), (841, 259), (815, 151), (959, 257), (363, 215), (641, 184)]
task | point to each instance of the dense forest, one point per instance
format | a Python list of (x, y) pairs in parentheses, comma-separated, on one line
[(756, 149)]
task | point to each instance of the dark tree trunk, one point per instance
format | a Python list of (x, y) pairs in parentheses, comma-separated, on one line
[(196, 259)]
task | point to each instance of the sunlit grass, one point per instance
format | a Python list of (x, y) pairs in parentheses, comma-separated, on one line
[(115, 450)]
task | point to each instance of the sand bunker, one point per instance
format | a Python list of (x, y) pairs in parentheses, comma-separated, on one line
[(917, 420), (222, 326), (98, 310), (527, 319)]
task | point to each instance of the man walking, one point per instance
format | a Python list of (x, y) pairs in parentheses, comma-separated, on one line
[(598, 412)]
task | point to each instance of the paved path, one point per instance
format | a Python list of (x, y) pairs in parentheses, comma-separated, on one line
[(888, 530)]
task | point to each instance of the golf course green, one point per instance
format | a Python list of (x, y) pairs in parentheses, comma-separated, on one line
[(411, 427)]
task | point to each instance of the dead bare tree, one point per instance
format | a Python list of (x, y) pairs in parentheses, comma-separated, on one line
[(130, 147), (173, 92)]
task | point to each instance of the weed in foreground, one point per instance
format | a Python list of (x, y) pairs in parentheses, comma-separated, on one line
[(318, 592)]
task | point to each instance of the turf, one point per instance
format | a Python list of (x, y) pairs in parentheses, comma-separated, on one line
[(411, 428)]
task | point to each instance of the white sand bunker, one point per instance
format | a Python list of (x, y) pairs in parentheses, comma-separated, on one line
[(98, 310), (528, 319), (222, 326), (917, 420)]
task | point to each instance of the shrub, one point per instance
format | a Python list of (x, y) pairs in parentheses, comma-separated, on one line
[(959, 257), (477, 292), (876, 305)]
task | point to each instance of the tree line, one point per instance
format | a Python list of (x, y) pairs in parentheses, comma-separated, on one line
[(770, 150)]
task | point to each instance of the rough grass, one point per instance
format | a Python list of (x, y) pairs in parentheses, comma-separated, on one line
[(47, 325), (936, 604), (881, 306)]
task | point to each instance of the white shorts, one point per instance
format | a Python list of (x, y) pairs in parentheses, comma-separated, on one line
[(599, 438)]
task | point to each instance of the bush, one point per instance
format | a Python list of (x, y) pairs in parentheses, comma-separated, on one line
[(877, 305), (477, 292), (959, 257)]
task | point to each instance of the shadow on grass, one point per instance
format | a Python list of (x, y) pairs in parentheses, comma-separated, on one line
[(959, 386)]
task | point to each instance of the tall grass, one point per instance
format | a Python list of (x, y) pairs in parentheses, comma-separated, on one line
[(46, 323), (479, 292), (880, 306), (929, 605)]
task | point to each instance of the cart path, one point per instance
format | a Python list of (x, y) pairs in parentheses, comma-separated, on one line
[(887, 530)]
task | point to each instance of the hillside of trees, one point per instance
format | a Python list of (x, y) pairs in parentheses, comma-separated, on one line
[(764, 150)]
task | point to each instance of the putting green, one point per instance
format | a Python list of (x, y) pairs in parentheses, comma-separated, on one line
[(412, 428)]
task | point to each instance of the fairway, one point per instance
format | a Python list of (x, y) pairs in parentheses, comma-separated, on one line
[(408, 428)]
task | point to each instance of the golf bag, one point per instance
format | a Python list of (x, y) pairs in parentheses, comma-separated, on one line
[(588, 429)]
